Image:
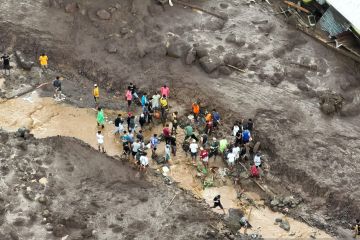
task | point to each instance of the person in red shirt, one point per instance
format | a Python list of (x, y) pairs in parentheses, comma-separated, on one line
[(204, 156), (166, 133), (254, 171), (165, 90)]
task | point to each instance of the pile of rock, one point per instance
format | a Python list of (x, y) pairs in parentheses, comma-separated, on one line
[(283, 223), (279, 203)]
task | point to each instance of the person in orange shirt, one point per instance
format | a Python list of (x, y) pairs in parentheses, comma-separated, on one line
[(43, 59), (196, 110)]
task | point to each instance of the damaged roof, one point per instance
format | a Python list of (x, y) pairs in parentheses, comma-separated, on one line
[(349, 9)]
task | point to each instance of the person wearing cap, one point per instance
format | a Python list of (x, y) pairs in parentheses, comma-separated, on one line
[(96, 94), (204, 156), (100, 118), (194, 150)]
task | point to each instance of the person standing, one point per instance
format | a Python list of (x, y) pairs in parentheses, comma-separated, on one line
[(128, 97), (144, 100), (217, 203), (222, 146), (119, 128), (155, 101), (96, 95), (231, 160), (6, 63), (214, 148), (144, 162), (164, 107), (154, 142), (165, 90), (100, 118), (246, 136), (167, 152), (216, 118), (142, 120), (257, 159), (196, 110), (100, 140), (57, 88), (166, 133), (173, 145), (135, 148), (43, 59), (194, 150), (189, 133), (132, 89), (204, 156), (174, 123), (132, 124)]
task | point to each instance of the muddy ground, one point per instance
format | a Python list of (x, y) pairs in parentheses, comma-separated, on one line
[(60, 187), (313, 154)]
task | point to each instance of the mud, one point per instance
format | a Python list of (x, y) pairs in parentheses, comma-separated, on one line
[(313, 155)]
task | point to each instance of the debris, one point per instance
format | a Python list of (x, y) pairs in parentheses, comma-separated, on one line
[(201, 9), (210, 63), (238, 69), (294, 5)]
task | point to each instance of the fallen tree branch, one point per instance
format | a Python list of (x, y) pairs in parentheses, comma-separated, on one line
[(201, 9), (294, 5)]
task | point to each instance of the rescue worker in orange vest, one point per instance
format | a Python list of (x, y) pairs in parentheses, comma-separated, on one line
[(196, 110)]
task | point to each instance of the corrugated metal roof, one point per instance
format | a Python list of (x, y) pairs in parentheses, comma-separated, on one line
[(333, 22), (350, 9)]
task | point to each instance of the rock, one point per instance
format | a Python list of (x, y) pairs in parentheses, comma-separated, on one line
[(111, 48), (87, 233), (278, 220), (71, 7), (59, 230), (234, 60), (25, 64), (225, 70), (176, 47), (231, 38), (190, 57), (303, 86), (285, 225), (22, 132), (201, 51), (42, 200), (19, 221), (224, 5), (46, 213), (49, 227), (214, 24), (274, 203), (267, 29), (210, 63), (103, 14), (331, 102)]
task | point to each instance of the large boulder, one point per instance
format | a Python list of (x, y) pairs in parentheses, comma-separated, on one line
[(330, 102), (23, 62), (232, 38), (210, 63), (177, 47)]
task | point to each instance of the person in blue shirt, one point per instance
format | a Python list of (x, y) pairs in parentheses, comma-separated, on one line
[(144, 100), (216, 118), (154, 142), (246, 136)]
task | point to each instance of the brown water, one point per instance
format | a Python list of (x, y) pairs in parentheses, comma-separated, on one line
[(46, 117)]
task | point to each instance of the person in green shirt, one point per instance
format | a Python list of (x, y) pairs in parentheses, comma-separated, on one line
[(100, 118), (189, 133), (223, 145)]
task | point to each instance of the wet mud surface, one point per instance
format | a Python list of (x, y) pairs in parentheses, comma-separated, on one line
[(310, 154)]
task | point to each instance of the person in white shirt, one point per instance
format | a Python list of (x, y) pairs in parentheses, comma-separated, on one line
[(236, 150), (135, 148), (231, 160), (155, 101), (144, 162), (193, 150), (236, 128), (257, 159), (100, 140)]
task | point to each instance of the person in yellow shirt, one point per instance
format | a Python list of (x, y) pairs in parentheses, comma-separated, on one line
[(96, 94), (43, 59)]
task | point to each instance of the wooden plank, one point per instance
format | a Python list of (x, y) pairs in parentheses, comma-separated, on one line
[(294, 5)]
